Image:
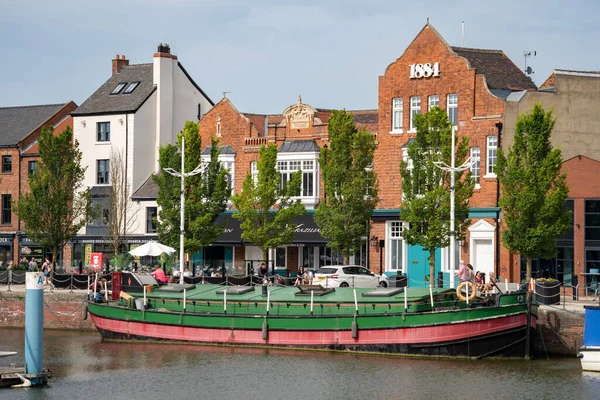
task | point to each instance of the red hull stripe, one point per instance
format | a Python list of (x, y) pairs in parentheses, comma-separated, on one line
[(426, 334)]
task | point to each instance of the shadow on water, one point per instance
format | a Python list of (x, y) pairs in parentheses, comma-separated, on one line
[(85, 367)]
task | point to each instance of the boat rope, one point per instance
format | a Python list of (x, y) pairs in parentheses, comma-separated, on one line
[(60, 314), (543, 343)]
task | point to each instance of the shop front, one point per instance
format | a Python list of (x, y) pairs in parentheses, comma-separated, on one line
[(6, 246), (308, 249), (84, 246)]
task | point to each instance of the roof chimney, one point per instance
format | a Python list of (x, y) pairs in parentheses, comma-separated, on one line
[(164, 50), (119, 62)]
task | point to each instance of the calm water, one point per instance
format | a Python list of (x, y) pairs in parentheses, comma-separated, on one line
[(86, 368)]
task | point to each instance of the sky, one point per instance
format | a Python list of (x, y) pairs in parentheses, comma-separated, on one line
[(266, 53)]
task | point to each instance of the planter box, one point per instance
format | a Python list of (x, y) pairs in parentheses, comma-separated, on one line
[(547, 292)]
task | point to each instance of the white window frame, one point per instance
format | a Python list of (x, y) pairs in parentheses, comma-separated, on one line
[(445, 254), (433, 101), (491, 156), (415, 108), (397, 114), (476, 165), (291, 160), (394, 233), (452, 108), (227, 161)]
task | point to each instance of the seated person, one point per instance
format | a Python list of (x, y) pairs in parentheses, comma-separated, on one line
[(489, 287), (299, 277), (159, 275), (187, 273), (97, 289), (308, 276), (479, 280)]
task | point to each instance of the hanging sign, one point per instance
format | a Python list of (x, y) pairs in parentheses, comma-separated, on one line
[(96, 261)]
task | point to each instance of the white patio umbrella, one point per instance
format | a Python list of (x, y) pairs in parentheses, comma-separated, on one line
[(151, 248)]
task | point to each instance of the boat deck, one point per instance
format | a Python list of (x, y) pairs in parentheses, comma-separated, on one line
[(292, 294)]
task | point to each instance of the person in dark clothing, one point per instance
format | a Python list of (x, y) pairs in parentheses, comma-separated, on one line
[(264, 272)]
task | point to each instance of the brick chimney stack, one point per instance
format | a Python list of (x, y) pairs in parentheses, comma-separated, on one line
[(164, 51), (118, 63)]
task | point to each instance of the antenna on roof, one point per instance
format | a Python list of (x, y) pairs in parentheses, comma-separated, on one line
[(225, 94), (462, 43), (526, 54)]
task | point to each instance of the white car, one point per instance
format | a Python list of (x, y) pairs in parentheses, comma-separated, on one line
[(349, 276)]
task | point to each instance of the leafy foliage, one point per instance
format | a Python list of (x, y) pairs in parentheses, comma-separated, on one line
[(266, 210), (57, 205), (350, 185), (426, 188), (534, 191), (206, 193), (121, 261)]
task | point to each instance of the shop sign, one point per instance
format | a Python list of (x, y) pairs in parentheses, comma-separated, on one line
[(426, 70), (96, 261), (5, 240)]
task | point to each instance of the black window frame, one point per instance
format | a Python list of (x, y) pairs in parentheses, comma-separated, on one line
[(31, 167), (6, 209), (103, 179), (118, 89), (135, 85), (7, 164), (151, 216), (102, 136)]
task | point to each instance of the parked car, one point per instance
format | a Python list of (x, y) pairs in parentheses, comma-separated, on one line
[(349, 276)]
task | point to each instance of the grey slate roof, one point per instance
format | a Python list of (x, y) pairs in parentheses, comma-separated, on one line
[(148, 191), (100, 191), (298, 146), (224, 150), (18, 122), (102, 102), (499, 70), (409, 141)]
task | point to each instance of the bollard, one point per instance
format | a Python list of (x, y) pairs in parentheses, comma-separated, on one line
[(34, 324), (575, 283), (9, 277)]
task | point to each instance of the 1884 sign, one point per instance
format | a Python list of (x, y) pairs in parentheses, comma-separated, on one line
[(426, 70)]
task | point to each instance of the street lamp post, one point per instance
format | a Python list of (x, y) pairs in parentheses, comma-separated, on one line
[(453, 170), (182, 175)]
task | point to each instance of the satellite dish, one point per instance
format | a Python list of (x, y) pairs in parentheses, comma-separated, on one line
[(529, 71)]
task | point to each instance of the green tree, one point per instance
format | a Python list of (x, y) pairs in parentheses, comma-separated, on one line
[(349, 183), (426, 188), (206, 193), (57, 205), (534, 191), (266, 208)]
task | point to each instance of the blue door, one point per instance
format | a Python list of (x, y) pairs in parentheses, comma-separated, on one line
[(417, 268)]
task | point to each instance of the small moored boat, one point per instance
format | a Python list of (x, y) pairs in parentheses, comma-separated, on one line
[(589, 353), (415, 321)]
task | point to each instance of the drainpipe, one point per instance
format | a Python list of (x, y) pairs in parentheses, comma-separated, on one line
[(18, 247), (498, 222), (126, 175)]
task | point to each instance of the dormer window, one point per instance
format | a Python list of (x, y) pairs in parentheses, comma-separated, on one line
[(119, 87), (131, 87)]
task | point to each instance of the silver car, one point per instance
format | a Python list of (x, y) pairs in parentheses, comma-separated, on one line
[(349, 276)]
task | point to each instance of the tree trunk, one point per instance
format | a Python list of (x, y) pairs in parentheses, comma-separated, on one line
[(346, 259), (431, 267), (528, 270)]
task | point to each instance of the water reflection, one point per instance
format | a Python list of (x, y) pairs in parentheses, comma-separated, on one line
[(85, 367)]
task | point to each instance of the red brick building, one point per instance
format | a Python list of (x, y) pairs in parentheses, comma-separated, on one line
[(20, 127), (470, 84)]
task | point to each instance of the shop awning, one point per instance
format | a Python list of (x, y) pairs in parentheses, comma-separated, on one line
[(307, 231)]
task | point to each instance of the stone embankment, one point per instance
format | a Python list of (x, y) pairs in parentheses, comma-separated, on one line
[(559, 332)]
